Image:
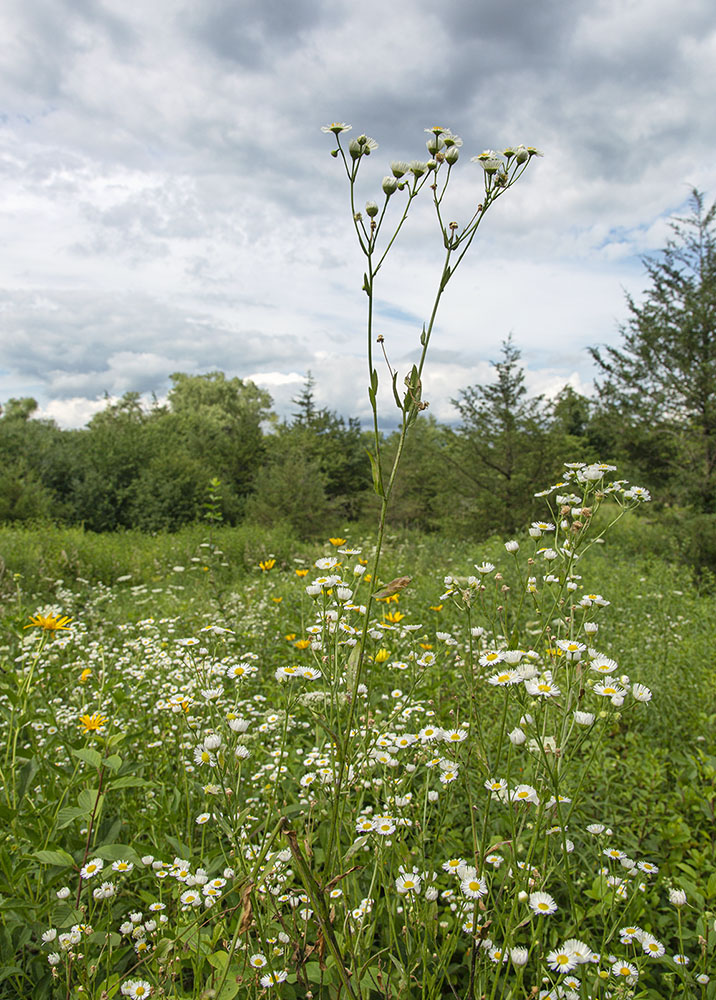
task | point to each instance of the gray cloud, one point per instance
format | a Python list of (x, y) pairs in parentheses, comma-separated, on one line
[(169, 201)]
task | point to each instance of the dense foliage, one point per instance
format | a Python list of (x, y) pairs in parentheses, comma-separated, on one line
[(173, 820), (149, 468)]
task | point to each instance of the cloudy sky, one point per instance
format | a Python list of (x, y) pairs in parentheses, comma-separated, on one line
[(169, 203)]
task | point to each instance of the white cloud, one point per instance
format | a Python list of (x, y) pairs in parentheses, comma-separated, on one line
[(168, 201)]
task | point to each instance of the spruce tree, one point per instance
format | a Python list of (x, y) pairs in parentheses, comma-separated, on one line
[(660, 385)]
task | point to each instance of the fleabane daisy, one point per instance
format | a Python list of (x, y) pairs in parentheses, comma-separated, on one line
[(542, 688), (472, 886), (603, 665), (92, 868), (136, 988), (561, 960), (122, 866), (652, 946), (407, 883), (524, 793), (609, 690), (542, 903), (626, 971), (504, 679), (273, 978), (581, 952), (641, 692), (454, 735)]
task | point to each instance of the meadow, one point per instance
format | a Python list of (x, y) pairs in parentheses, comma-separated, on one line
[(390, 765), (201, 798)]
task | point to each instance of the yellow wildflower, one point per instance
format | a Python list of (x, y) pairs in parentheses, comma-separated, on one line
[(301, 572), (267, 564), (302, 643), (85, 675), (337, 541), (50, 623), (92, 723), (381, 656)]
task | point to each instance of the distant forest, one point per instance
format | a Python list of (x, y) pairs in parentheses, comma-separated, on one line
[(216, 445)]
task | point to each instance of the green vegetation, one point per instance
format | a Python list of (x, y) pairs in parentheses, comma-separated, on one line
[(405, 764), (121, 738)]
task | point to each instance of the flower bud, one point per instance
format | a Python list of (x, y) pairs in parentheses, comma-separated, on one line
[(371, 209), (390, 185), (434, 144), (418, 167), (355, 149), (452, 155), (399, 167)]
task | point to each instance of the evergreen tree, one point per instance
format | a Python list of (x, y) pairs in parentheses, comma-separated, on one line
[(659, 387), (305, 403), (502, 448)]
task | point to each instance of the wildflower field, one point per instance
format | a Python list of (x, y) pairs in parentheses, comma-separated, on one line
[(234, 765), (203, 795)]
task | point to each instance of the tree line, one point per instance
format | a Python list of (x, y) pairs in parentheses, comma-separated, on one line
[(653, 413)]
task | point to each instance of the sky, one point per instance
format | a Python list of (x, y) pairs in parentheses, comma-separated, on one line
[(169, 202)]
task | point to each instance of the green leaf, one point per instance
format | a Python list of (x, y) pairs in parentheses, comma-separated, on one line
[(27, 773), (10, 971), (356, 846), (86, 799), (377, 478), (313, 972), (113, 762), (219, 959), (117, 852), (89, 756), (131, 781), (230, 988), (395, 392), (711, 887), (109, 987), (59, 857), (181, 849), (161, 952), (68, 815)]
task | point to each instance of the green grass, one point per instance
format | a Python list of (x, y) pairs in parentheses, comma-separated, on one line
[(135, 788)]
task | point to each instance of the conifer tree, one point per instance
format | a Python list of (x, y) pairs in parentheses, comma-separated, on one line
[(502, 446), (660, 385)]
